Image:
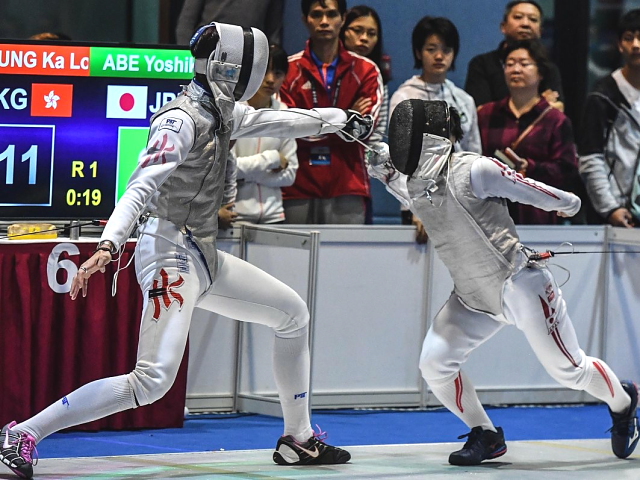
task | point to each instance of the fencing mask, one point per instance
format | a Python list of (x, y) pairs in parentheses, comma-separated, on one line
[(233, 58), (410, 121)]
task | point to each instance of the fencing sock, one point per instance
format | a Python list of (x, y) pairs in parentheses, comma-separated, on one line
[(605, 386), (90, 402), (291, 369), (459, 396)]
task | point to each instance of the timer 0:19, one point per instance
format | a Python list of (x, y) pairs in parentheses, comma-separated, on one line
[(88, 197)]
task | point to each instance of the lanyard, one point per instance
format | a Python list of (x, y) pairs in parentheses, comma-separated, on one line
[(314, 93)]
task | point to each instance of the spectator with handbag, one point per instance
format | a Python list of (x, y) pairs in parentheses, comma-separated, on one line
[(526, 132)]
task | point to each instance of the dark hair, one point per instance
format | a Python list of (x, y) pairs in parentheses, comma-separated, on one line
[(455, 125), (376, 54), (536, 51), (443, 27), (510, 5), (278, 61), (50, 36), (306, 5), (630, 22)]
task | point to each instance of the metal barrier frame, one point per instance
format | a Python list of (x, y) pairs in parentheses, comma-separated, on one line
[(277, 237)]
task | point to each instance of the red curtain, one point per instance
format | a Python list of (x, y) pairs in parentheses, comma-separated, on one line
[(52, 345)]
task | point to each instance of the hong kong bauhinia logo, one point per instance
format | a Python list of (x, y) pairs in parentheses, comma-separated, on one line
[(51, 100), (164, 293), (157, 153)]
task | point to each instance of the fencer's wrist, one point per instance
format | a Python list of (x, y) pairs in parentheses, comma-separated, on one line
[(106, 246)]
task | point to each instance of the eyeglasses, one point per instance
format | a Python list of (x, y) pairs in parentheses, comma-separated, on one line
[(524, 64), (359, 31)]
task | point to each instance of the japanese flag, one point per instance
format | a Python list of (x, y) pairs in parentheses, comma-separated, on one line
[(126, 101)]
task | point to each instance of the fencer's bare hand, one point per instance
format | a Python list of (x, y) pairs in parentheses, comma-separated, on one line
[(226, 216), (563, 215), (362, 105), (621, 217), (421, 233), (96, 263)]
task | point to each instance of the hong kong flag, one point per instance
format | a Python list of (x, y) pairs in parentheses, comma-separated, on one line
[(126, 101), (51, 100)]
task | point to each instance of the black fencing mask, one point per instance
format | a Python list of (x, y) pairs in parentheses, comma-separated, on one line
[(410, 120)]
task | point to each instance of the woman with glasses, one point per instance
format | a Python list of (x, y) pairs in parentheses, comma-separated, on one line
[(362, 34), (527, 133)]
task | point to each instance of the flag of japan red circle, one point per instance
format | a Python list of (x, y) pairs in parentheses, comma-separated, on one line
[(127, 102)]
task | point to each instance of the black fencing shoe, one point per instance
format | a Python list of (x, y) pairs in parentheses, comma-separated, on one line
[(624, 433), (481, 445), (312, 452), (18, 451)]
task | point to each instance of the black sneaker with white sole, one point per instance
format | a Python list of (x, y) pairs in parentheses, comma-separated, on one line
[(481, 445), (624, 432), (312, 452)]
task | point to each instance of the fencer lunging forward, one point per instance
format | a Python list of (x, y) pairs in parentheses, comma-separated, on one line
[(461, 200), (175, 193)]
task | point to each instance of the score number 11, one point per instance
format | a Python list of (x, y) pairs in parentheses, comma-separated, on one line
[(31, 156)]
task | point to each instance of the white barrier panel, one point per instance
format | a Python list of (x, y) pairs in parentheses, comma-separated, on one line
[(622, 340), (377, 290)]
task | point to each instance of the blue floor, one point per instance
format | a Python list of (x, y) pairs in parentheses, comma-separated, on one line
[(345, 427)]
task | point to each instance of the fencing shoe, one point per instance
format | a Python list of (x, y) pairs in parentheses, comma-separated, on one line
[(18, 451), (312, 452), (624, 432), (481, 445)]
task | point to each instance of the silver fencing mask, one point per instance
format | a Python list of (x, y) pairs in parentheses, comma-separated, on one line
[(410, 120), (237, 61)]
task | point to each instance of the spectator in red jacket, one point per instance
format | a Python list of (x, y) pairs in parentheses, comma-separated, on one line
[(332, 184)]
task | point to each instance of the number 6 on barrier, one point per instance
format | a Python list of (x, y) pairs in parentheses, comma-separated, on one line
[(54, 264)]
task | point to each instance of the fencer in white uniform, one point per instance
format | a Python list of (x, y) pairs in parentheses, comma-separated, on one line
[(461, 200), (174, 196)]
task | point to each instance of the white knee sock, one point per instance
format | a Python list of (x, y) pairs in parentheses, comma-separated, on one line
[(90, 402), (459, 396), (605, 386), (291, 369)]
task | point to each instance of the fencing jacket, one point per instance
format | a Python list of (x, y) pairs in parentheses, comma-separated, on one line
[(463, 209)]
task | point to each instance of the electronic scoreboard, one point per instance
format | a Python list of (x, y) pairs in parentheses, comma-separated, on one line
[(73, 120)]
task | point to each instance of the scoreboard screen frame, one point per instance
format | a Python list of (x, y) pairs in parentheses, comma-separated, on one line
[(74, 117)]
